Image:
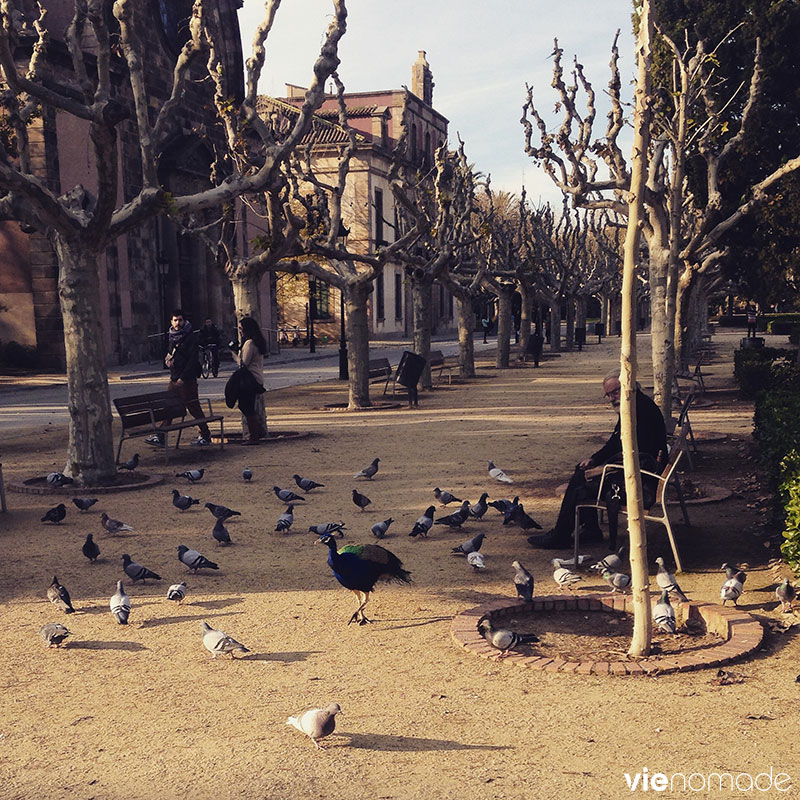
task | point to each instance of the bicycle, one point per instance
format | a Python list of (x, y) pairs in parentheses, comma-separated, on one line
[(209, 365)]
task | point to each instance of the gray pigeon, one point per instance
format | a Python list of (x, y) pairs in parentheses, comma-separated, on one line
[(183, 501), (90, 548), (477, 510), (505, 506), (194, 560), (58, 479), (222, 512), (379, 528), (457, 518), (502, 639), (218, 642), (445, 497), (53, 634), (120, 605), (192, 475), (523, 519), (523, 582), (732, 588), (361, 500), (131, 463), (369, 471), (247, 474), (59, 596), (177, 592), (423, 523), (113, 525), (84, 503), (498, 474), (55, 514), (328, 528), (564, 577), (666, 580), (470, 546), (612, 562), (316, 723), (618, 581), (306, 484), (285, 520), (287, 495), (220, 533), (664, 614), (786, 594), (136, 572)]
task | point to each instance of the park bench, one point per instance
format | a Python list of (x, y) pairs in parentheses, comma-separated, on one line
[(695, 375), (437, 359), (380, 368), (142, 414), (659, 510)]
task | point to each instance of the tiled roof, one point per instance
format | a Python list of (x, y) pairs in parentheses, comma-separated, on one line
[(323, 130)]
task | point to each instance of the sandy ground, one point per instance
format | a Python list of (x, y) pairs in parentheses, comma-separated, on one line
[(143, 712)]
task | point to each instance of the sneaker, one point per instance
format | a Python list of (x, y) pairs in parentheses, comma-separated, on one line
[(552, 540), (155, 439), (202, 441)]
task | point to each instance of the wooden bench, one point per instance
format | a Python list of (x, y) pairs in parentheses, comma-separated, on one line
[(437, 359), (380, 368), (695, 375), (142, 414)]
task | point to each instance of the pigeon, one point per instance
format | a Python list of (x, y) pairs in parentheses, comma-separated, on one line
[(476, 561), (477, 510), (287, 495), (55, 514), (498, 474), (423, 523), (131, 463), (183, 501), (503, 506), (90, 548), (247, 474), (222, 512), (445, 497), (470, 546), (617, 580), (84, 503), (328, 528), (457, 518), (786, 594), (523, 519), (361, 500), (194, 560), (217, 642), (220, 533), (510, 511), (286, 519), (612, 562), (316, 723), (53, 634), (306, 484), (136, 572), (113, 525), (564, 577), (666, 580), (502, 639), (523, 581), (59, 596), (120, 605), (192, 475), (177, 592), (368, 472), (379, 528), (732, 588), (664, 614), (58, 479)]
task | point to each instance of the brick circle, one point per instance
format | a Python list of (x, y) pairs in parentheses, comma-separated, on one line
[(740, 634), (39, 485)]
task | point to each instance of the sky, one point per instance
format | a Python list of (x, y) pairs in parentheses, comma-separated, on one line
[(481, 55)]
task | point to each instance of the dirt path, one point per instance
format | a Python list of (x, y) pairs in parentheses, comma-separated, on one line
[(142, 711)]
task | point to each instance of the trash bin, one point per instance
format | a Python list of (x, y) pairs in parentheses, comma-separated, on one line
[(599, 331), (580, 337), (408, 373)]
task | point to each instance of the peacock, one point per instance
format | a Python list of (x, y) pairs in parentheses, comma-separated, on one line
[(359, 567)]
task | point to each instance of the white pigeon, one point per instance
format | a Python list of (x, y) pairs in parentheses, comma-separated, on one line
[(217, 642), (732, 588), (316, 723), (120, 605), (664, 614), (618, 581), (177, 592), (476, 561), (565, 578), (498, 474)]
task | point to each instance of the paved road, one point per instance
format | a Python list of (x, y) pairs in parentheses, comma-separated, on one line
[(39, 401)]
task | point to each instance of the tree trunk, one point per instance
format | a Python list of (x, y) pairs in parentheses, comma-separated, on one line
[(357, 329), (504, 326), (662, 335), (90, 452), (525, 318), (466, 336), (555, 325), (642, 614), (570, 333), (421, 304)]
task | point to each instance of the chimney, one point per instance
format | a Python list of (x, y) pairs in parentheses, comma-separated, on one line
[(422, 79)]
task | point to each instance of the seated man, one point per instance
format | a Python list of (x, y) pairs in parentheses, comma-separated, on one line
[(652, 437)]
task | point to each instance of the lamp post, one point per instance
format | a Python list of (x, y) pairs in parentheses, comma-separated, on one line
[(344, 372), (311, 308), (162, 264)]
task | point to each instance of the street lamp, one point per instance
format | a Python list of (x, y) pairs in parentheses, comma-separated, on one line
[(344, 372), (163, 265), (311, 310)]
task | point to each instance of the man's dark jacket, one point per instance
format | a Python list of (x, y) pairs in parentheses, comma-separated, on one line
[(186, 359)]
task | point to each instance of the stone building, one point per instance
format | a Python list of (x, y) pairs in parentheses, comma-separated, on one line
[(155, 268)]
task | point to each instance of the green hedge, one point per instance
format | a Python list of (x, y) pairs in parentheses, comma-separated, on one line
[(789, 492), (780, 323), (761, 369)]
